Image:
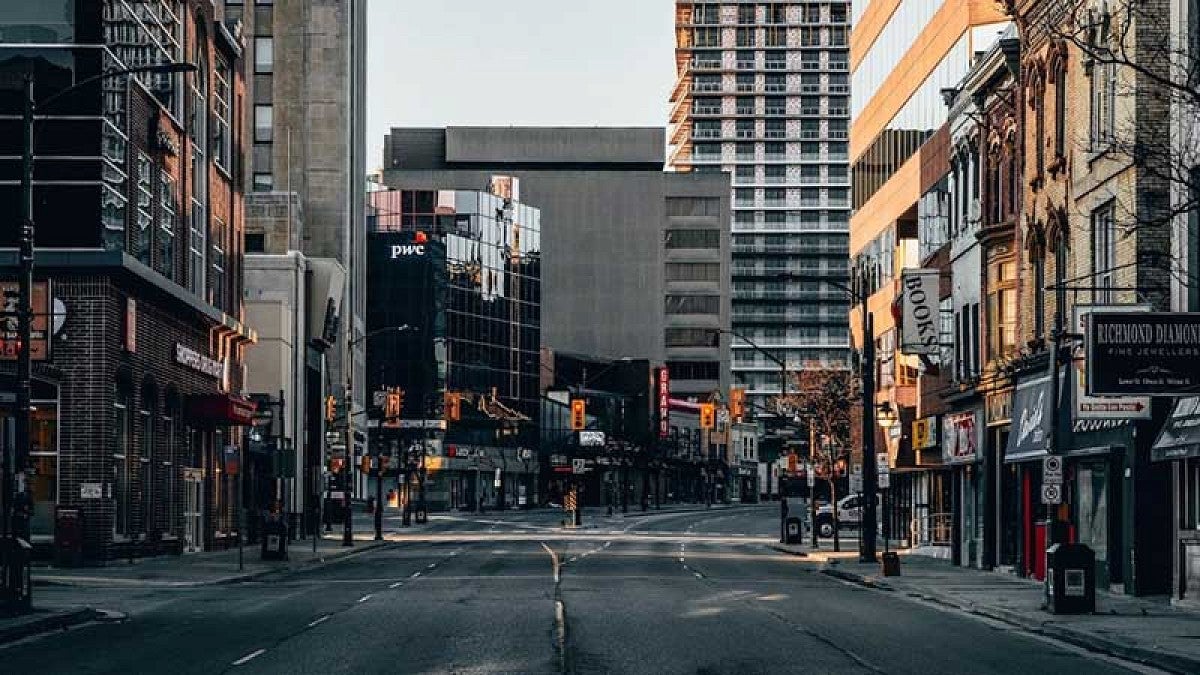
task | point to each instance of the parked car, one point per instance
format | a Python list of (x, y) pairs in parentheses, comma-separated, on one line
[(849, 513)]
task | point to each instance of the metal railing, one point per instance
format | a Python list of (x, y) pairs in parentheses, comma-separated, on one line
[(934, 529)]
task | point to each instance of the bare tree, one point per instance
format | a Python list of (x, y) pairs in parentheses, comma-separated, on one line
[(826, 396)]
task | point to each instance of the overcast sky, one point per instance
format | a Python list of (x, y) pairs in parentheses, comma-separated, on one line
[(520, 62)]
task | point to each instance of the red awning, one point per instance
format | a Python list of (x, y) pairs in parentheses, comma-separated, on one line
[(221, 409)]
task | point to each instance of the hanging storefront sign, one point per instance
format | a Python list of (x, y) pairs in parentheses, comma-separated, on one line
[(1102, 407), (1030, 431), (664, 402), (960, 442), (1180, 436), (1143, 353), (920, 311), (39, 334), (925, 433)]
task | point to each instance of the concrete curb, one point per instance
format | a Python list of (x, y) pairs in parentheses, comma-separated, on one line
[(784, 549), (1171, 662), (38, 625), (328, 559)]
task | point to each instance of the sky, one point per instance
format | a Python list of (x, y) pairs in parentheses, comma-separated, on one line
[(440, 63)]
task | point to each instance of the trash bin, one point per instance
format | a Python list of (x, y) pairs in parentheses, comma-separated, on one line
[(1070, 579), (891, 564), (793, 531), (274, 538), (68, 537)]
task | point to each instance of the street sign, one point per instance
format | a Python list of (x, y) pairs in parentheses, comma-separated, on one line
[(1051, 494), (1052, 471), (91, 490), (1102, 407), (883, 472), (578, 465), (591, 439), (856, 484), (1143, 353)]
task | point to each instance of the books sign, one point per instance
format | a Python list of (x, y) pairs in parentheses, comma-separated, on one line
[(920, 311)]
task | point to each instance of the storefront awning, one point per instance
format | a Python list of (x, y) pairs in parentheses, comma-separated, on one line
[(221, 410), (1180, 437), (1030, 432)]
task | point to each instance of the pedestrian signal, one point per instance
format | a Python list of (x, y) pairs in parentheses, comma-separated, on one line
[(708, 415)]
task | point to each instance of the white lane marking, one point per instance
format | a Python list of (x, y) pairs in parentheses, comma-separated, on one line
[(698, 575), (453, 553), (320, 621), (398, 584), (573, 558), (415, 575), (248, 657), (607, 544), (680, 558), (431, 565), (365, 597), (553, 560)]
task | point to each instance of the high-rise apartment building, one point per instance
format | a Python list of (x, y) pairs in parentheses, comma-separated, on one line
[(764, 94), (305, 216)]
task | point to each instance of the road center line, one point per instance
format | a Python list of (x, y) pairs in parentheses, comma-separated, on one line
[(365, 597), (415, 575), (320, 621), (432, 565), (398, 584), (246, 659)]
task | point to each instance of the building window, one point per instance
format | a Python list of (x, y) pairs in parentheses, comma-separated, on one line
[(1039, 114), (222, 96), (264, 55), (43, 454), (263, 182), (1037, 259), (693, 239), (219, 237), (693, 337), (143, 235), (146, 468), (171, 474), (1002, 309), (120, 450), (1060, 110), (693, 272), (693, 304), (693, 206), (694, 370), (1104, 252), (1104, 96), (264, 123), (256, 242), (167, 208)]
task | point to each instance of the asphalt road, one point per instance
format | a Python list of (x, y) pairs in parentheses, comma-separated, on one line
[(662, 593)]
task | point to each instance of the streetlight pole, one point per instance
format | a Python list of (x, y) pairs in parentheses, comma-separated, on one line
[(348, 396)]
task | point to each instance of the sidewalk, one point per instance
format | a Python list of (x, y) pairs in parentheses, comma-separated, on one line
[(1136, 629), (214, 567)]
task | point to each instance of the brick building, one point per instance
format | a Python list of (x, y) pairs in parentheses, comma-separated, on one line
[(138, 268)]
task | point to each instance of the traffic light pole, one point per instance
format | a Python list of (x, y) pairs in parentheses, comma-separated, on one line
[(348, 525)]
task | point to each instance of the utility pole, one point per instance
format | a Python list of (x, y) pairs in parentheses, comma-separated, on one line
[(869, 511), (811, 479), (348, 525)]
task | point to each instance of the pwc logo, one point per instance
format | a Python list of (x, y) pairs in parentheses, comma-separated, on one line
[(399, 250)]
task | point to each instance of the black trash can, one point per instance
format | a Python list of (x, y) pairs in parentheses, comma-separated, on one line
[(793, 531), (1070, 579), (274, 538)]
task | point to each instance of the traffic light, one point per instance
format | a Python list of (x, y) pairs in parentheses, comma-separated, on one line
[(737, 403), (330, 408), (578, 414), (708, 415), (453, 406), (393, 407)]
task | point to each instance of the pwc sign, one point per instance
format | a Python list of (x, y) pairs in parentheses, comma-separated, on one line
[(416, 248)]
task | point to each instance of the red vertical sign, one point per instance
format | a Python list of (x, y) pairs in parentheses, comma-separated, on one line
[(664, 402)]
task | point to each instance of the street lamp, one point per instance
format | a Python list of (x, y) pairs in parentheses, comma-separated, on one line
[(858, 296), (15, 459), (348, 525)]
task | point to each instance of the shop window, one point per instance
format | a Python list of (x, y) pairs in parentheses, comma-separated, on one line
[(1104, 252), (120, 453), (44, 457), (1002, 310), (170, 472)]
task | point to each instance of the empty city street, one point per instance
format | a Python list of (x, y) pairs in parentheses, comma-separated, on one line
[(695, 592)]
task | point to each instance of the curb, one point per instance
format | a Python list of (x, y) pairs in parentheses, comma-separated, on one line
[(784, 549), (1171, 662), (330, 558), (45, 624)]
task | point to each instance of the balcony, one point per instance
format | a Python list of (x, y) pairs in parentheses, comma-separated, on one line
[(706, 64), (775, 133), (745, 65), (706, 133), (706, 87), (706, 110), (744, 110), (775, 64), (775, 110)]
